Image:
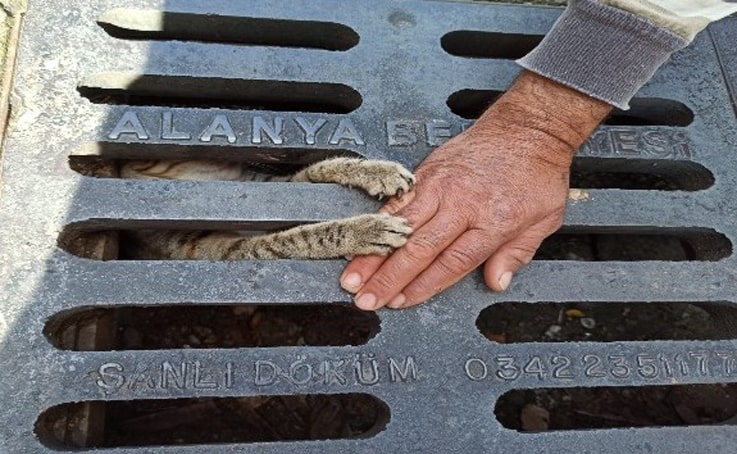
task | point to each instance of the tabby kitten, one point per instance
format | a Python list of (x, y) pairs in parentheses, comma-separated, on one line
[(359, 235)]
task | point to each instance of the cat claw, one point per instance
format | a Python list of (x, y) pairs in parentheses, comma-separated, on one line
[(378, 234), (388, 179)]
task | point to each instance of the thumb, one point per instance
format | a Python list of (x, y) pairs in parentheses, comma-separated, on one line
[(513, 255)]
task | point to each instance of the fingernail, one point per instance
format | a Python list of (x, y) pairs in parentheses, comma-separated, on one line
[(505, 279), (351, 282), (367, 301), (398, 301)]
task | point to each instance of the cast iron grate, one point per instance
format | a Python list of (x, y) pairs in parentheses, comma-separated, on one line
[(624, 320)]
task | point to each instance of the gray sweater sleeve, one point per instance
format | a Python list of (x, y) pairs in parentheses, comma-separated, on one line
[(603, 51)]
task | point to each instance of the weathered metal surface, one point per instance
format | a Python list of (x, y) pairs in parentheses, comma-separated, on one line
[(443, 399)]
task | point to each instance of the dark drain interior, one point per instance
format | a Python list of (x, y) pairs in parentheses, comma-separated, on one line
[(211, 326), (515, 323), (125, 23), (642, 174), (479, 44), (208, 92), (471, 103), (586, 244), (624, 244), (102, 160), (178, 422), (532, 410)]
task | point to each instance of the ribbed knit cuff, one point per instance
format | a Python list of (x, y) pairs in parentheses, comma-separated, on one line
[(605, 52)]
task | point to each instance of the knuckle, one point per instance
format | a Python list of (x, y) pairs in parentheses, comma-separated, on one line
[(380, 284), (420, 249), (509, 212), (457, 261)]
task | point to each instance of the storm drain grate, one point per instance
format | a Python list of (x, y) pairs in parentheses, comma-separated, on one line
[(626, 319)]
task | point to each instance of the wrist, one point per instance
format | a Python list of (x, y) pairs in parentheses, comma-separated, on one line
[(553, 116)]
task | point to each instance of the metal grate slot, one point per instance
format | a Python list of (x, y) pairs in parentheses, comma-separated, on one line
[(478, 44), (471, 103), (212, 170), (214, 326), (180, 422), (77, 240), (636, 244), (132, 89), (95, 159), (519, 323), (627, 244), (643, 174), (586, 173), (125, 23), (626, 406)]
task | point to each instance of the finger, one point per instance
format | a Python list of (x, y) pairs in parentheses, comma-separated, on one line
[(361, 269), (397, 203), (352, 278), (501, 267), (457, 260), (407, 262)]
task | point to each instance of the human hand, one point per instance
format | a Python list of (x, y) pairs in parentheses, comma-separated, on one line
[(491, 194)]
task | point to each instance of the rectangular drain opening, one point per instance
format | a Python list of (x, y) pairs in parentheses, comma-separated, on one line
[(519, 323), (128, 23), (634, 244), (639, 174), (471, 103), (131, 89), (626, 244), (185, 326), (211, 420), (480, 44), (104, 159), (586, 173), (570, 409)]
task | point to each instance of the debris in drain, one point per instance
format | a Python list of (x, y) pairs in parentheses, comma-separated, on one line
[(553, 331), (574, 313), (587, 322)]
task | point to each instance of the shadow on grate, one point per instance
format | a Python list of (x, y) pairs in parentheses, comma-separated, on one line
[(179, 422), (210, 326)]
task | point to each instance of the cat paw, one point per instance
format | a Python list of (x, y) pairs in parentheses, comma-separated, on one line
[(376, 234), (385, 179)]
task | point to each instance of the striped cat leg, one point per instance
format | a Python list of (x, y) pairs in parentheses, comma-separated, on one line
[(359, 235), (378, 178)]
